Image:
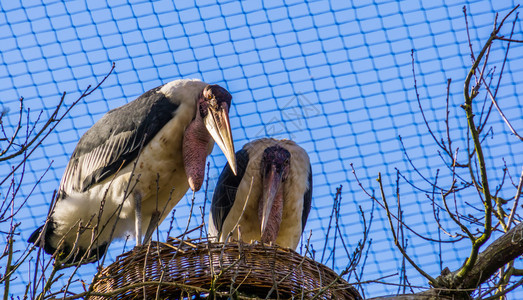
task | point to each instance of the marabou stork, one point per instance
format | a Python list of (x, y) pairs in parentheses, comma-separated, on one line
[(280, 197), (135, 164)]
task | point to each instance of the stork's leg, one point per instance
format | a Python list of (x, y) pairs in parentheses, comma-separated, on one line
[(155, 218), (138, 218)]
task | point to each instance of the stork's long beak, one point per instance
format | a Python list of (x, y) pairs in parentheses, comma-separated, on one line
[(218, 125), (271, 185)]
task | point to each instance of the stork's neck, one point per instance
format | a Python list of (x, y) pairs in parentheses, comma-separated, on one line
[(195, 146), (275, 217)]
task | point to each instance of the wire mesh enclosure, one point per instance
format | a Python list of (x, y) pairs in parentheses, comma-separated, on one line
[(346, 80)]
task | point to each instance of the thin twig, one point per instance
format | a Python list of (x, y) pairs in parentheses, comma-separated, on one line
[(394, 216), (516, 200), (241, 215), (431, 280), (56, 121)]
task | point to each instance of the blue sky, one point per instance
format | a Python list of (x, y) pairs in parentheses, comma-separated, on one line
[(335, 77)]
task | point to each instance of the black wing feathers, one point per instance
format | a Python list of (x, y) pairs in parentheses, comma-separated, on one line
[(114, 141), (307, 202), (226, 188)]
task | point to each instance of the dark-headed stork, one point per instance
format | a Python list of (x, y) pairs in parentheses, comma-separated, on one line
[(278, 200), (136, 161)]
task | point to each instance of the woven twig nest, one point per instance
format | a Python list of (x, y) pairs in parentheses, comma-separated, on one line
[(198, 268)]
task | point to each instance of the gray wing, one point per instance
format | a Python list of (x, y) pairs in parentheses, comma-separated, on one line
[(115, 140), (225, 191)]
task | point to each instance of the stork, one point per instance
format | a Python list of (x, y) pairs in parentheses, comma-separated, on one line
[(269, 198), (133, 164)]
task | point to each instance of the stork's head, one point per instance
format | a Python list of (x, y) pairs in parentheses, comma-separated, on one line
[(274, 169), (213, 105)]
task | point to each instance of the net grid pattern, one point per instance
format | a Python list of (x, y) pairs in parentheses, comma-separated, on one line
[(335, 77)]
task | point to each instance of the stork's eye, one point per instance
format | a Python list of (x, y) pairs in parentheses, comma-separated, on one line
[(286, 162)]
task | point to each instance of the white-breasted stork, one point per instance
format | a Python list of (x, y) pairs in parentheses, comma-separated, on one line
[(280, 197), (136, 161)]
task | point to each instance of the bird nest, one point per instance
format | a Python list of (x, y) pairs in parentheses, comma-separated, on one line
[(192, 269)]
